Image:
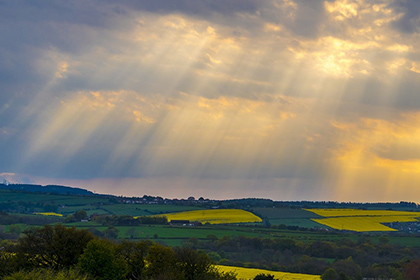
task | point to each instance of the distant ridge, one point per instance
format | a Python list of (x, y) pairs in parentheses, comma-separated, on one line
[(46, 189)]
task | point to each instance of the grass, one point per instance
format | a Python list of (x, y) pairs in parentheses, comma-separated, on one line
[(289, 217), (363, 220), (88, 208), (250, 273), (305, 223), (284, 213), (216, 216), (187, 232), (172, 236), (145, 209)]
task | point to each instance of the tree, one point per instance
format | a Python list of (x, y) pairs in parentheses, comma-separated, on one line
[(192, 264), (161, 262), (101, 261), (55, 247), (263, 276), (348, 268), (111, 232), (212, 237), (133, 254), (80, 215), (131, 232), (329, 274)]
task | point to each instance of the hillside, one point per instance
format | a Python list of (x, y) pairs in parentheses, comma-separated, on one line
[(46, 189)]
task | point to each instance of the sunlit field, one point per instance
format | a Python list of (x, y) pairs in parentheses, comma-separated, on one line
[(216, 216), (49, 214), (363, 220), (250, 273), (360, 212)]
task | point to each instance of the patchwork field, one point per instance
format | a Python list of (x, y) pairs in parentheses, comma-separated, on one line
[(250, 273), (216, 216), (362, 220)]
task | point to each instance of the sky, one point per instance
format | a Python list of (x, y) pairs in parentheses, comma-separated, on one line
[(279, 99)]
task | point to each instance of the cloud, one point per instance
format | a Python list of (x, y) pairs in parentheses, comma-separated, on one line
[(301, 95), (190, 7)]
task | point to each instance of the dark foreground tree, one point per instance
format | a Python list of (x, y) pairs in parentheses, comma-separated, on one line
[(57, 250), (101, 261), (161, 262), (193, 265), (133, 254), (54, 247)]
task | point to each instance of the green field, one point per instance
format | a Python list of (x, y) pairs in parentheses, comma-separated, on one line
[(285, 213), (289, 217), (145, 209)]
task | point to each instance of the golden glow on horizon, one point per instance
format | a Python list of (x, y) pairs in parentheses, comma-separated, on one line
[(383, 151)]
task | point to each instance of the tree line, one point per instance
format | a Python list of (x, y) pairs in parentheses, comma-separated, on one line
[(345, 258), (70, 253)]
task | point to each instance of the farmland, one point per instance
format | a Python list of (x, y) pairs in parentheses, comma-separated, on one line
[(215, 216), (361, 212), (240, 233), (289, 217), (284, 222), (363, 220), (250, 273)]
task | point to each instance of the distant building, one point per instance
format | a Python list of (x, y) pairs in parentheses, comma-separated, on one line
[(184, 223), (179, 222)]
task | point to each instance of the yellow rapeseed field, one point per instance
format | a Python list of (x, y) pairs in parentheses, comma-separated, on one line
[(215, 216), (359, 212), (362, 220), (250, 273), (49, 214)]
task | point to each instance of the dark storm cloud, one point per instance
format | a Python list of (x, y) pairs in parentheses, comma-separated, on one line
[(196, 8), (92, 13), (410, 21)]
